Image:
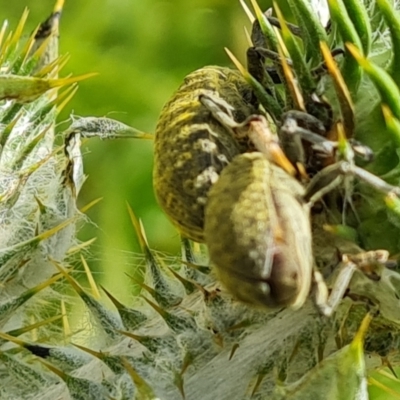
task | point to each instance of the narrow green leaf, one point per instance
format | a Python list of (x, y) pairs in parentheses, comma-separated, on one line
[(268, 102), (392, 20), (341, 89), (388, 90), (343, 231), (392, 125), (383, 385), (351, 70), (311, 28), (360, 18), (393, 203), (266, 27), (303, 72)]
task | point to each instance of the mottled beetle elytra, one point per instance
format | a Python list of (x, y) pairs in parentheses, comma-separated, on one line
[(258, 233), (192, 147)]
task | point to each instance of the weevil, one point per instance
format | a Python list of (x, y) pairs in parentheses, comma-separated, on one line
[(257, 228), (258, 233), (192, 147)]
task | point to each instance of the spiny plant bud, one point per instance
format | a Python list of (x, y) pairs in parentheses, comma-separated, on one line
[(192, 147)]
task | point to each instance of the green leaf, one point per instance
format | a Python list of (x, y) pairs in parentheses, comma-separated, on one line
[(361, 21), (388, 90), (341, 376), (392, 20), (311, 28), (351, 70)]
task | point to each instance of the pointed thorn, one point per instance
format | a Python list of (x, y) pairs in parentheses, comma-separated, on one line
[(81, 246), (247, 11), (18, 32), (25, 329), (53, 369), (78, 289), (118, 305), (360, 335), (260, 378), (58, 6), (387, 363), (144, 389), (12, 339), (60, 107), (94, 353), (248, 37), (90, 205), (92, 283), (237, 63), (233, 350), (143, 285)]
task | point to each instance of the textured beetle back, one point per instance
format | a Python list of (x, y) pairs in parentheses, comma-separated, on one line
[(258, 233), (192, 147)]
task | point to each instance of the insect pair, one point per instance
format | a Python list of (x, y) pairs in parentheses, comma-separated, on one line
[(222, 178), (257, 215)]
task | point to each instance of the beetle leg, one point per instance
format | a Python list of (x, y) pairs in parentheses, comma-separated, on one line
[(303, 124), (311, 129), (327, 303), (220, 110), (367, 262), (255, 127), (332, 176), (297, 126), (267, 143), (373, 180)]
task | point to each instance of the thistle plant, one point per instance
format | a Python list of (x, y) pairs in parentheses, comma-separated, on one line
[(184, 336)]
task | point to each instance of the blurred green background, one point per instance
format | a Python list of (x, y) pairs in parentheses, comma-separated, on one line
[(142, 50)]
